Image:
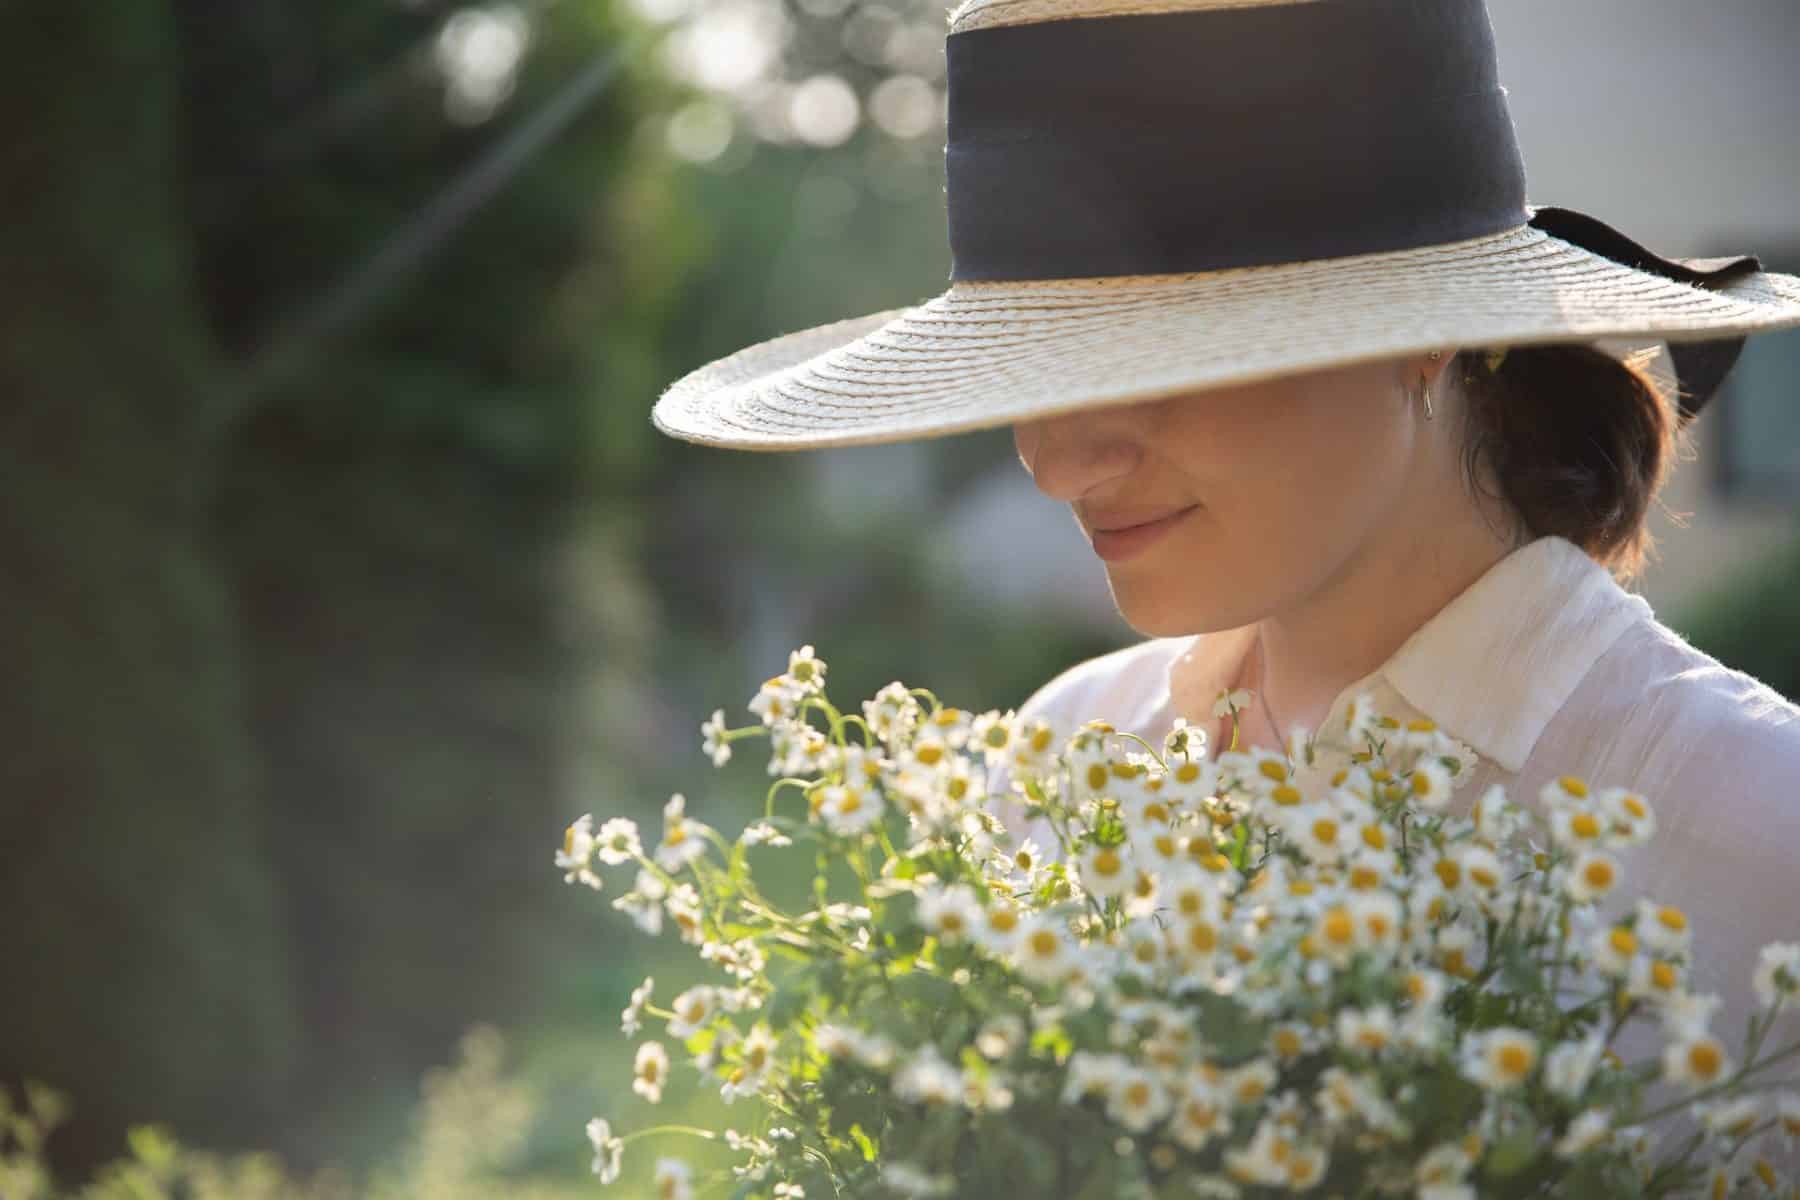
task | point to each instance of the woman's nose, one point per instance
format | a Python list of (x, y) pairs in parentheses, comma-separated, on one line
[(1071, 455)]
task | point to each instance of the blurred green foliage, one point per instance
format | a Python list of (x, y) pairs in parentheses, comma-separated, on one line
[(1751, 620), (330, 602)]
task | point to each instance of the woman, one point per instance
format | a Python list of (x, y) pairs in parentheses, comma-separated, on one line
[(1256, 287)]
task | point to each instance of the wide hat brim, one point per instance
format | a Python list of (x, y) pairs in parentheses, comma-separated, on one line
[(984, 354)]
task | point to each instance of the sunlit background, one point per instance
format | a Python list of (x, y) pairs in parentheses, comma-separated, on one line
[(341, 566)]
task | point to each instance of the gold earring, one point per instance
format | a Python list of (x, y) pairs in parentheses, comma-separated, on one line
[(1426, 384)]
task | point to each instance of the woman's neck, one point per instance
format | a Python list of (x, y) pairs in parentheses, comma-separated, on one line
[(1347, 628)]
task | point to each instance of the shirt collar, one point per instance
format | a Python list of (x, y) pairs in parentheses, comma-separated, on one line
[(1497, 663), (1494, 665)]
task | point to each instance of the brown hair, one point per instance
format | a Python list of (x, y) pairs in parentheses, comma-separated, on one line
[(1578, 440)]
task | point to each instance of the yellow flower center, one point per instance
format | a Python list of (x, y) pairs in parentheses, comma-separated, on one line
[(1003, 920), (1325, 830), (1663, 975), (1107, 863), (1338, 927), (1201, 937), (1598, 874), (1273, 770), (1704, 1059), (1672, 918), (1044, 943), (1514, 1059), (1623, 941), (1574, 785), (1448, 871), (1096, 777), (1187, 772)]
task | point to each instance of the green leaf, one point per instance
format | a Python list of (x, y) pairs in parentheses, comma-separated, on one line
[(1513, 1152)]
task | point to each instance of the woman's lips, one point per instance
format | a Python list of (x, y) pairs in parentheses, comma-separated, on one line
[(1116, 545)]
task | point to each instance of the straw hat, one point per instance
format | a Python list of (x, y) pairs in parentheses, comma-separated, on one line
[(1149, 197)]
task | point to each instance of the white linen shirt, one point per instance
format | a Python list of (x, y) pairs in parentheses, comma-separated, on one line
[(1545, 667)]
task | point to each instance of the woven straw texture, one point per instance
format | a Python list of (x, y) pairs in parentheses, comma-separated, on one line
[(985, 354), (979, 14)]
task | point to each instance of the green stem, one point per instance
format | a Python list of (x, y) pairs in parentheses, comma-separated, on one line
[(695, 1130), (1715, 1089)]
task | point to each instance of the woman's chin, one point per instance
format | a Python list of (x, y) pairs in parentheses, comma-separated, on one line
[(1149, 613)]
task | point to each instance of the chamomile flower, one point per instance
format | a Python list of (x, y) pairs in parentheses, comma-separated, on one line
[(650, 1071), (631, 1020), (1482, 871), (1499, 1059), (1662, 928), (1106, 871), (1366, 1030), (949, 914), (761, 833), (892, 713), (1688, 1014), (684, 838), (1576, 824), (673, 1180), (713, 742), (992, 732), (1184, 740), (1429, 784), (1569, 1066), (1497, 819), (1630, 819), (1592, 875), (1202, 1112), (777, 700), (1731, 1118), (1443, 1166), (692, 1011), (806, 669), (756, 1058), (925, 1078), (577, 853), (1321, 832), (1787, 1114), (1696, 1062), (1137, 1100), (1613, 948), (1231, 702), (1777, 973), (1043, 951), (848, 811), (683, 905), (1654, 979), (608, 1150), (1592, 1128), (618, 842), (1000, 927)]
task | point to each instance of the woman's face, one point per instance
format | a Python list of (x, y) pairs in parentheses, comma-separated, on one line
[(1284, 481)]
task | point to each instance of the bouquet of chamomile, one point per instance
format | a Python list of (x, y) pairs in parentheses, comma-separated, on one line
[(1204, 981)]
